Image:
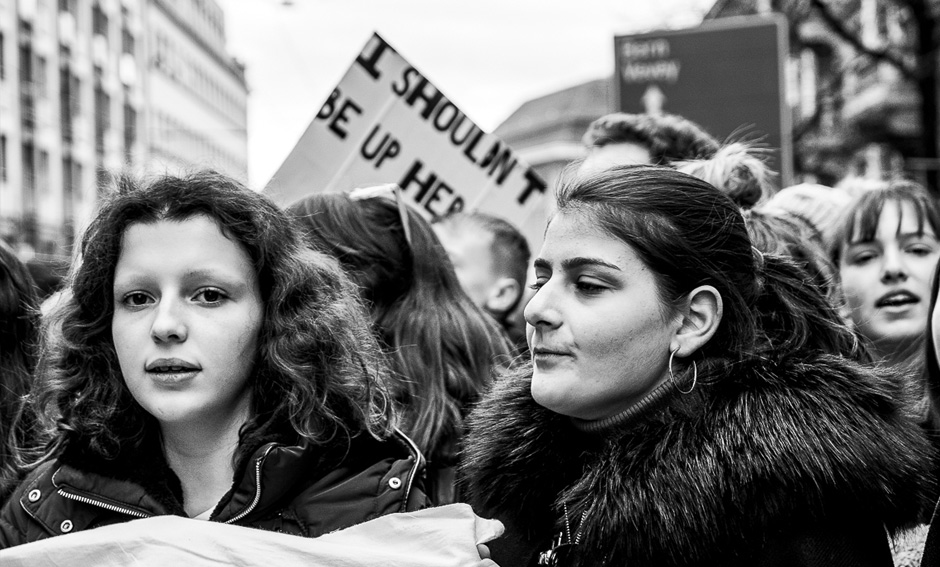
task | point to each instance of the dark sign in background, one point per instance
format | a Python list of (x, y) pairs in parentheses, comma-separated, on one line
[(727, 75)]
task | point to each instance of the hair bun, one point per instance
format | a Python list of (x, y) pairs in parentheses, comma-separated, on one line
[(737, 169)]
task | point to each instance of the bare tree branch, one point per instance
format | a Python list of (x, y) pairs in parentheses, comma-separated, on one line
[(836, 25)]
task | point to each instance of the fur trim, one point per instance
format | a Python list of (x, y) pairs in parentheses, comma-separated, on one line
[(745, 456)]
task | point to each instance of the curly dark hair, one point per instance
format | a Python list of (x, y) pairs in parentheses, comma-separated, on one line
[(669, 137), (19, 336), (319, 374)]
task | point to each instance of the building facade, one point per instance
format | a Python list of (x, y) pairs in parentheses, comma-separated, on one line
[(92, 87), (546, 131), (195, 94)]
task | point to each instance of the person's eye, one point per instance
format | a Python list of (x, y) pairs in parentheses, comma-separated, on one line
[(210, 296), (862, 258), (590, 286), (920, 250), (540, 280), (136, 299)]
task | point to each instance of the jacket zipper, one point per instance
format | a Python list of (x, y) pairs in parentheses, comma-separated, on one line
[(105, 505), (414, 468), (257, 499)]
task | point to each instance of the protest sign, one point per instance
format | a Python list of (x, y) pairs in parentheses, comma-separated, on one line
[(727, 75), (386, 123)]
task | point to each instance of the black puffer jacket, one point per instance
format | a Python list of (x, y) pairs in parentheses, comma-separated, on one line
[(307, 491), (787, 463)]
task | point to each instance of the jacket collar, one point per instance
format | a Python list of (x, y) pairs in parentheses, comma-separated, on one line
[(145, 483)]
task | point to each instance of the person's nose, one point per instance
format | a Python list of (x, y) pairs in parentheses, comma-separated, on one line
[(542, 310), (169, 323), (894, 268)]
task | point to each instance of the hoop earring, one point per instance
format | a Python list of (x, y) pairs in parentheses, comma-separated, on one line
[(673, 376)]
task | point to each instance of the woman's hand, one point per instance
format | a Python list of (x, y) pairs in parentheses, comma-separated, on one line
[(484, 552)]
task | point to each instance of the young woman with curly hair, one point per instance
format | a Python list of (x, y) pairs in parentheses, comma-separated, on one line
[(205, 363)]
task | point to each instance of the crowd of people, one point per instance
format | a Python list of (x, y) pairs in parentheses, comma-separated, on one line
[(695, 368)]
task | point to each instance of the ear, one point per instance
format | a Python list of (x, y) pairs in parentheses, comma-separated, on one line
[(701, 315), (503, 294)]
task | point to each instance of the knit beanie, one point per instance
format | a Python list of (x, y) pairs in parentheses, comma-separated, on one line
[(819, 205)]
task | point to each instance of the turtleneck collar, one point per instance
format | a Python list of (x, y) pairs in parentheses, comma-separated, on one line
[(647, 404)]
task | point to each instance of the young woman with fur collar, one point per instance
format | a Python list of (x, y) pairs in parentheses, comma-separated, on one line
[(688, 401)]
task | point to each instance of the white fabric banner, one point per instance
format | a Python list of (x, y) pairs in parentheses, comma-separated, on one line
[(445, 536)]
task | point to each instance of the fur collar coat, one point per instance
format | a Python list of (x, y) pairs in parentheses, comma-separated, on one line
[(764, 463)]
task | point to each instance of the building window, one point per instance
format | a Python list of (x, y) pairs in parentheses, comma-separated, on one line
[(42, 172), (99, 21), (27, 88), (68, 200), (65, 104), (3, 158), (127, 41), (102, 117), (41, 84), (29, 178), (26, 64), (130, 132), (75, 94)]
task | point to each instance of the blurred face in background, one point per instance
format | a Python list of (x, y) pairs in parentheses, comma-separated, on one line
[(887, 280), (470, 251)]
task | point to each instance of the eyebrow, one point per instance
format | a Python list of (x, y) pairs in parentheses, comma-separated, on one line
[(223, 277), (209, 274), (899, 236), (577, 262), (917, 235)]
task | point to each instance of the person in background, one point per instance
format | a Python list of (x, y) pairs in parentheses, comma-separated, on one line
[(661, 139), (491, 259), (441, 346), (690, 400), (205, 363), (737, 169), (783, 234), (820, 206), (19, 337), (886, 250)]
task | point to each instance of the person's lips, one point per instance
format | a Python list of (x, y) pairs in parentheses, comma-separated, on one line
[(897, 298), (545, 356), (170, 365), (170, 371)]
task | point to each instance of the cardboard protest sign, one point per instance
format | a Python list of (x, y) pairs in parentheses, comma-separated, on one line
[(386, 123)]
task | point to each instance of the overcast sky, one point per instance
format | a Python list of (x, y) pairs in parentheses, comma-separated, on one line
[(487, 56)]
